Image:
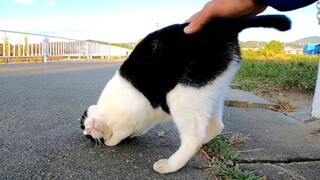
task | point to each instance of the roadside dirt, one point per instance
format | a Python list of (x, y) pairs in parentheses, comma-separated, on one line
[(294, 98)]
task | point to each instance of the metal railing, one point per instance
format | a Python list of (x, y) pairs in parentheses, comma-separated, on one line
[(15, 46)]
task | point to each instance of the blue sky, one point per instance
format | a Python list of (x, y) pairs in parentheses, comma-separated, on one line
[(129, 20)]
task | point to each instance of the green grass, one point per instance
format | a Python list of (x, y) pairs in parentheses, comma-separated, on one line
[(220, 147), (225, 172), (294, 73), (224, 166)]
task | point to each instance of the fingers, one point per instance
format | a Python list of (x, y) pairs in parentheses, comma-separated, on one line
[(194, 26), (201, 18), (223, 9)]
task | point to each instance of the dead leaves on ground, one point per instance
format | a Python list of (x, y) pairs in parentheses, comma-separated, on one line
[(281, 106), (315, 132)]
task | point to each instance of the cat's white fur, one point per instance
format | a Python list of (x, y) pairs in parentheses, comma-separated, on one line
[(122, 111)]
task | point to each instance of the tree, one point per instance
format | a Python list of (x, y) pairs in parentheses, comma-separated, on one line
[(249, 54), (271, 49)]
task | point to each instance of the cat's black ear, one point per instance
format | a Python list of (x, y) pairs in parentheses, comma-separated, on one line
[(83, 117)]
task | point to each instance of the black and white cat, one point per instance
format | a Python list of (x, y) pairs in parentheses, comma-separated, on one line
[(174, 75)]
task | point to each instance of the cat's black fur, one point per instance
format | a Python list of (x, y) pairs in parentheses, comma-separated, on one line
[(169, 56)]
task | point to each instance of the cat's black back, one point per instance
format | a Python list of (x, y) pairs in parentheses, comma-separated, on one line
[(169, 56)]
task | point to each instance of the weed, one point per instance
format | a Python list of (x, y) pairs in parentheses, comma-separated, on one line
[(226, 172), (220, 148), (223, 159)]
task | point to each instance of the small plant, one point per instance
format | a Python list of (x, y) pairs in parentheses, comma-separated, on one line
[(220, 148), (223, 159), (225, 172)]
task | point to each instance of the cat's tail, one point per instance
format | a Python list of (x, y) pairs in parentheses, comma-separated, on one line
[(279, 22)]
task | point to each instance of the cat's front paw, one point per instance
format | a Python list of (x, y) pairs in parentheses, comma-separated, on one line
[(163, 166), (110, 142), (135, 134)]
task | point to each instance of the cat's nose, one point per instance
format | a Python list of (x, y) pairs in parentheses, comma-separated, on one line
[(88, 131)]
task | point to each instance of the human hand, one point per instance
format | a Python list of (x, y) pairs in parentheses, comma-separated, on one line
[(223, 9)]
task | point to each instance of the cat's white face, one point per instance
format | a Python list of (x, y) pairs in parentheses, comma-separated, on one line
[(93, 125)]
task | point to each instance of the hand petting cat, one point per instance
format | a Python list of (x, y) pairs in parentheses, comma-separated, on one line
[(223, 9), (238, 8)]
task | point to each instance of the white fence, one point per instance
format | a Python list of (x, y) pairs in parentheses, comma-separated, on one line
[(17, 45)]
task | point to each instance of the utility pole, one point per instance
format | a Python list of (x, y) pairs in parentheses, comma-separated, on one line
[(45, 48), (315, 112)]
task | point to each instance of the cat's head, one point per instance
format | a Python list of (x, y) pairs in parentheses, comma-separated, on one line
[(94, 125)]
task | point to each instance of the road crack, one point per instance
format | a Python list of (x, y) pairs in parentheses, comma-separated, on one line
[(284, 161)]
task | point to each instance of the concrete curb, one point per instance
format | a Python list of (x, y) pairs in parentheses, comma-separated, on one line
[(241, 104), (242, 99)]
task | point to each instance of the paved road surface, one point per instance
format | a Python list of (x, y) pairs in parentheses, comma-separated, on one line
[(40, 136)]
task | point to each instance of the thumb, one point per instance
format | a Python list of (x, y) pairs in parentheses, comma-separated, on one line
[(192, 27), (198, 20), (196, 23)]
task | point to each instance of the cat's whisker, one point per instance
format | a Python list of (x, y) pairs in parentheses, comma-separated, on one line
[(100, 143), (96, 141)]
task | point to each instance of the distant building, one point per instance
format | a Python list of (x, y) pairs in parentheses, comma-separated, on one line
[(289, 50), (251, 48), (311, 49)]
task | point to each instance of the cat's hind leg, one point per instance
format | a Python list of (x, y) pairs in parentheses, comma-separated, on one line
[(191, 116), (215, 125)]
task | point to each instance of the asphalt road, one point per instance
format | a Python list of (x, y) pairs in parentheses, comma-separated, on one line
[(40, 137)]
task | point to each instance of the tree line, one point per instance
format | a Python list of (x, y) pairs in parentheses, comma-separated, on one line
[(274, 50)]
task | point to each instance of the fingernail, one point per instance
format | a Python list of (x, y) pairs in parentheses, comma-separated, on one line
[(186, 30)]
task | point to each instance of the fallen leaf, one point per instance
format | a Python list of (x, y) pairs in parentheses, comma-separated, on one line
[(161, 134), (272, 108), (230, 163)]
